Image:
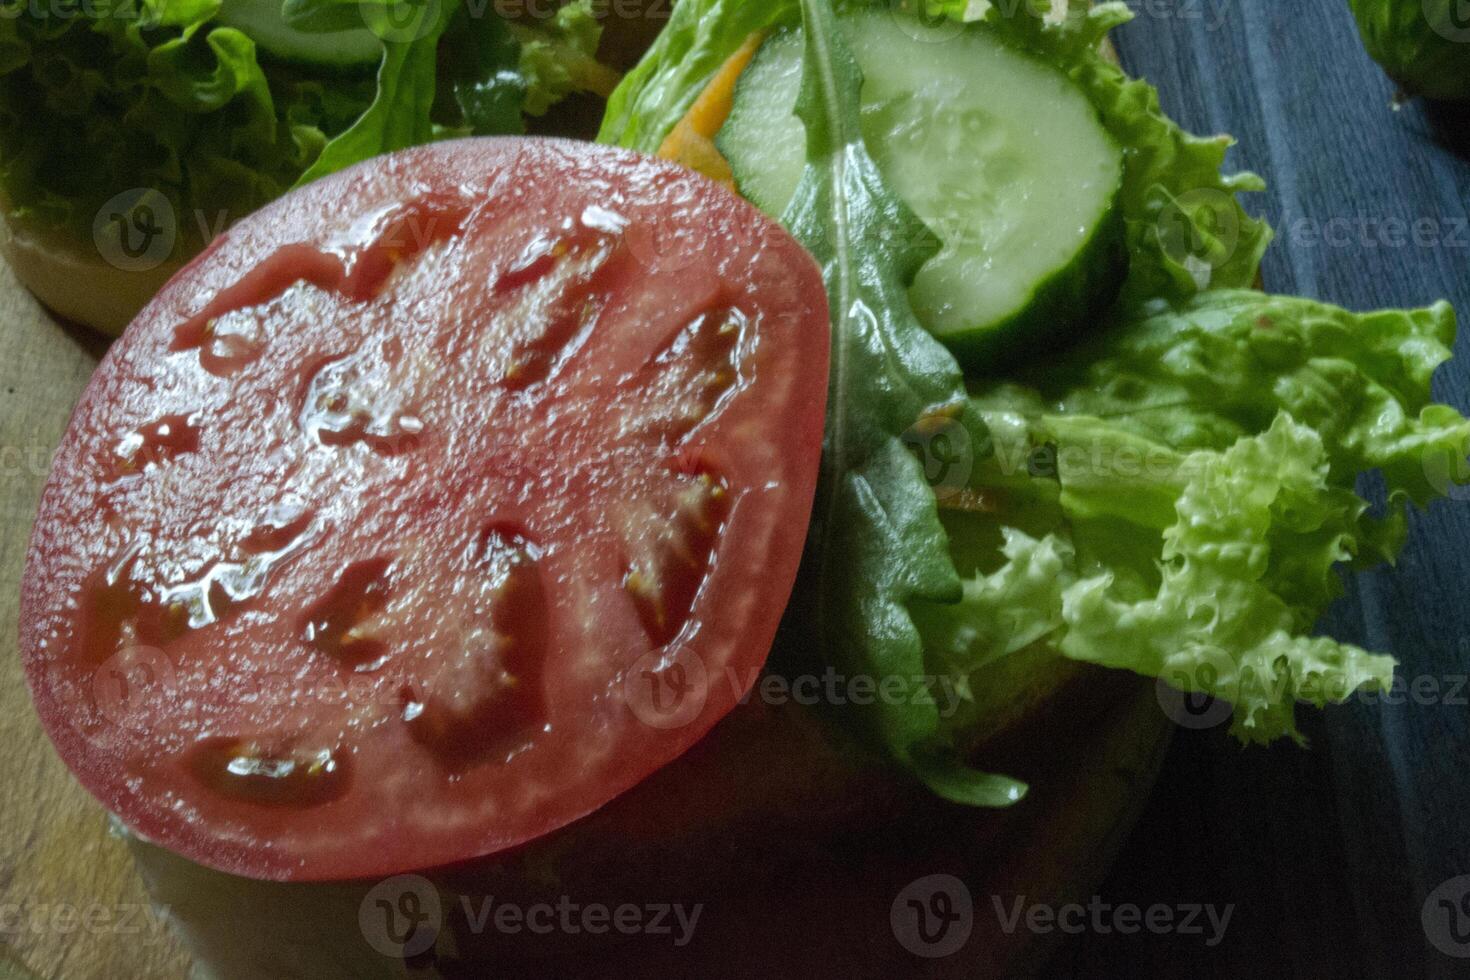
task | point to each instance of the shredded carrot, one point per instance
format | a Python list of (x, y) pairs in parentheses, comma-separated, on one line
[(692, 140)]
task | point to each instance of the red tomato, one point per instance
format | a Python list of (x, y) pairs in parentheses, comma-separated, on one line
[(431, 508)]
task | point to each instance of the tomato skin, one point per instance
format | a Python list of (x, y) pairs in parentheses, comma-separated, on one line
[(292, 581)]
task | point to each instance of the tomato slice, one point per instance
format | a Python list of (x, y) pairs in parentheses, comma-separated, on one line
[(431, 508)]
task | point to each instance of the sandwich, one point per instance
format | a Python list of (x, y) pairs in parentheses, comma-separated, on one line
[(742, 545)]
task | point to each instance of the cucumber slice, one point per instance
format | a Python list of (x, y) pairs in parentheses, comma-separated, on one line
[(1002, 156), (263, 23)]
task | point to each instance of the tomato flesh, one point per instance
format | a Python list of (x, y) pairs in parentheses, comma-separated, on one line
[(431, 508)]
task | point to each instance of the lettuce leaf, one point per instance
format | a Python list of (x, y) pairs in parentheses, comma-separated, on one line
[(399, 114), (879, 556), (559, 57), (1245, 569), (876, 542), (1174, 498), (1221, 366), (113, 96)]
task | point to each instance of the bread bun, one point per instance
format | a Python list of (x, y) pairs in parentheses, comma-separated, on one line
[(795, 842), (76, 282)]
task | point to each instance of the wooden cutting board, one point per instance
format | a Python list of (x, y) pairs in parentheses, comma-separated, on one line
[(70, 905)]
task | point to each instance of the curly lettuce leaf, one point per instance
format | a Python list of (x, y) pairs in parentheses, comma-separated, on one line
[(876, 541), (1176, 497), (1243, 570), (559, 58), (1223, 365), (122, 95), (90, 107)]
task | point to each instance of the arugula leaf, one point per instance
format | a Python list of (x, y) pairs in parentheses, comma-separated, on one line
[(876, 541)]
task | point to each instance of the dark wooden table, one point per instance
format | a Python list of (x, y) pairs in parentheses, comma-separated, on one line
[(1328, 854)]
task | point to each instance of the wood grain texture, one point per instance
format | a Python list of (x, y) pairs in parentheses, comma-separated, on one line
[(1328, 854), (70, 905)]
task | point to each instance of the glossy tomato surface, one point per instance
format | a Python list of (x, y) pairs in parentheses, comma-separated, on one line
[(429, 509)]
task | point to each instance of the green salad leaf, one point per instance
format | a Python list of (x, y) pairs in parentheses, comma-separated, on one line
[(114, 96), (399, 114), (1174, 498), (559, 57), (474, 59), (1424, 45), (876, 541)]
